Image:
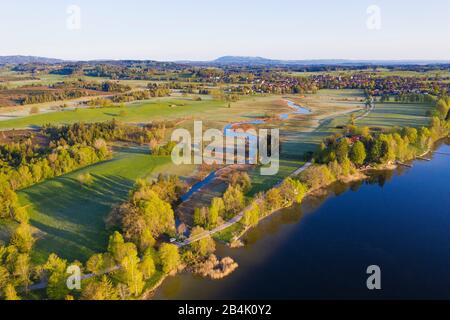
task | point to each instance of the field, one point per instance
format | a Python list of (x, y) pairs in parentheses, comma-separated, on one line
[(214, 113), (70, 217), (397, 114), (301, 134), (381, 72)]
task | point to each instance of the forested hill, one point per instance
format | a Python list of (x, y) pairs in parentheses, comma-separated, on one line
[(27, 59)]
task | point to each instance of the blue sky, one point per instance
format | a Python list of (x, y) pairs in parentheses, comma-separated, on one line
[(206, 29)]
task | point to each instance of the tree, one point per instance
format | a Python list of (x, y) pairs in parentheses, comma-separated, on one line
[(4, 277), (200, 216), (203, 247), (292, 191), (10, 292), (85, 179), (116, 246), (22, 270), (358, 153), (130, 273), (251, 216), (8, 201), (233, 200), (22, 238), (146, 240), (273, 199), (241, 179), (317, 176), (442, 108), (169, 256), (96, 264), (342, 149), (411, 133), (216, 210), (56, 268), (102, 289), (158, 214), (147, 266)]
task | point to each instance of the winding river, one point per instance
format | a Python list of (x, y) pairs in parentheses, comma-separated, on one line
[(229, 132), (398, 220)]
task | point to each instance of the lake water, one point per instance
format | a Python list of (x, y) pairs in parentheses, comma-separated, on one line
[(399, 221)]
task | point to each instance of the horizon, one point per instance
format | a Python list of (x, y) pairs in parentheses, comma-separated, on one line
[(203, 31), (363, 60)]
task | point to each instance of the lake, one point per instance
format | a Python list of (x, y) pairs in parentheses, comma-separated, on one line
[(398, 220)]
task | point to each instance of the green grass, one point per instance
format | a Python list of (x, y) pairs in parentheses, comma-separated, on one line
[(139, 112), (393, 114), (228, 234), (263, 183), (71, 216)]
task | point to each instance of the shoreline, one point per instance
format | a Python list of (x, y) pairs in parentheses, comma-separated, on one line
[(360, 175)]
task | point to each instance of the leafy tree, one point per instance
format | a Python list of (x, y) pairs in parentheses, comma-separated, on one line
[(200, 216), (8, 201), (216, 210), (102, 289), (241, 179), (169, 256), (99, 263), (22, 270), (342, 150), (251, 216), (147, 267), (10, 292), (23, 238), (274, 200), (56, 269), (292, 191), (130, 273), (203, 247), (442, 108), (317, 176), (233, 200), (358, 153), (146, 240), (158, 214)]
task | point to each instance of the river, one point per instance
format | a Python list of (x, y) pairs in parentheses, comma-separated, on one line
[(252, 139), (398, 220)]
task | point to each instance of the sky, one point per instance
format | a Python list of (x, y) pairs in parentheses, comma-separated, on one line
[(170, 30)]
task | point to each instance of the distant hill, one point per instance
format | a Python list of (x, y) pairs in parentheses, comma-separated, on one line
[(226, 61), (243, 60), (259, 61), (27, 59)]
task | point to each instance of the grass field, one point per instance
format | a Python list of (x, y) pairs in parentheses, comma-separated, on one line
[(70, 217), (214, 113), (397, 114)]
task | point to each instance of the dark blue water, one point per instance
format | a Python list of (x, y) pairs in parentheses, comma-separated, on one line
[(399, 221), (197, 187)]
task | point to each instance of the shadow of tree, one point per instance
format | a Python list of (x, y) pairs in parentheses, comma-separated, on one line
[(77, 215)]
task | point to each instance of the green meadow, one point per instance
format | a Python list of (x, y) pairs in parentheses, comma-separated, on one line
[(393, 114), (70, 217), (139, 112)]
